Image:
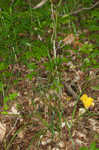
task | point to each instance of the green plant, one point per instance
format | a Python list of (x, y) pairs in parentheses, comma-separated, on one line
[(34, 38), (6, 99), (91, 54), (92, 147)]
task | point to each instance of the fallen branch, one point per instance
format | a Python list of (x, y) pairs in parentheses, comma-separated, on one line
[(82, 9)]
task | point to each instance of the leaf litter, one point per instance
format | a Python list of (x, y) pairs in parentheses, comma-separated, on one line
[(29, 95), (37, 108)]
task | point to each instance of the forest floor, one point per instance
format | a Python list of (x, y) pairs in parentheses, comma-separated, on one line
[(40, 94), (34, 121)]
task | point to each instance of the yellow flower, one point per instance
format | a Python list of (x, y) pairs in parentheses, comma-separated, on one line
[(84, 97), (87, 101)]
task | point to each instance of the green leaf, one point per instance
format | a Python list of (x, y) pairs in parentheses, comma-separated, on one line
[(87, 48), (95, 13), (95, 88), (1, 86), (3, 66), (6, 98), (96, 66), (4, 3), (12, 96), (32, 66), (4, 113), (31, 75), (6, 107), (94, 27), (83, 148), (93, 146)]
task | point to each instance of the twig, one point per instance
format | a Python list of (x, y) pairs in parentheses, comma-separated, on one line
[(12, 127), (40, 4), (79, 10), (70, 90), (53, 38)]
